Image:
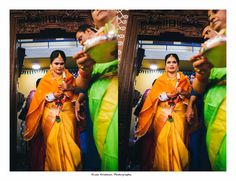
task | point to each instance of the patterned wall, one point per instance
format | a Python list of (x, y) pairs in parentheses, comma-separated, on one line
[(122, 22)]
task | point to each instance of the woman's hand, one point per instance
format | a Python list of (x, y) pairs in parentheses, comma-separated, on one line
[(181, 91), (171, 95), (80, 107), (203, 70), (84, 62), (189, 114), (79, 114), (65, 87), (58, 94), (201, 66)]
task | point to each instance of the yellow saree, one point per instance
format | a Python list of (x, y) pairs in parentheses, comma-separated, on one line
[(62, 153), (168, 123)]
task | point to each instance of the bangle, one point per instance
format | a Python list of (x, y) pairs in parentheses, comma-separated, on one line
[(200, 78), (163, 97), (84, 74), (50, 97)]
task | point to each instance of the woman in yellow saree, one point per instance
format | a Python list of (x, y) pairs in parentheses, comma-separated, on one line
[(164, 112), (51, 111)]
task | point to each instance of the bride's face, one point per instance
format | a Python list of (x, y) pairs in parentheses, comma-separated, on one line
[(58, 65), (171, 65)]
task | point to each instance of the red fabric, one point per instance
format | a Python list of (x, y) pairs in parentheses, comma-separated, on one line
[(37, 151), (148, 150)]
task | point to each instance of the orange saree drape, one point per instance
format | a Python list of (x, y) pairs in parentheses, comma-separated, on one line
[(169, 136), (62, 152)]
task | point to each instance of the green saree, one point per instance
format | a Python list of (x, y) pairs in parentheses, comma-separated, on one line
[(103, 106), (215, 118)]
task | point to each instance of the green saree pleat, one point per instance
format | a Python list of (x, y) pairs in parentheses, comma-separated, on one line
[(110, 149), (215, 119), (104, 113)]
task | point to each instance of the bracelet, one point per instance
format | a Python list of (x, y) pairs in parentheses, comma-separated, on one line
[(84, 74), (50, 97), (163, 97), (200, 78)]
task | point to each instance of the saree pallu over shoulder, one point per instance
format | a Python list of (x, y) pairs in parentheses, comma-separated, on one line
[(151, 103), (46, 86), (33, 122)]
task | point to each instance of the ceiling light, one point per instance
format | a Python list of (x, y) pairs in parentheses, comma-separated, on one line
[(36, 66), (153, 67)]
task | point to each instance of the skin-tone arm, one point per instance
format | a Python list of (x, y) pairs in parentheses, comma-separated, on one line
[(190, 108), (82, 81), (79, 113), (181, 91), (85, 64), (199, 86), (203, 69)]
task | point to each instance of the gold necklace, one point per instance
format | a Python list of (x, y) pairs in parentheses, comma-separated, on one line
[(59, 77), (171, 78)]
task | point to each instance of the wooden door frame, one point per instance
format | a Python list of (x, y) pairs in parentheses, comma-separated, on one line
[(15, 29), (127, 74), (13, 90)]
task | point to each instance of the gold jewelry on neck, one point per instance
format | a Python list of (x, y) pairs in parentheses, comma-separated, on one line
[(171, 78)]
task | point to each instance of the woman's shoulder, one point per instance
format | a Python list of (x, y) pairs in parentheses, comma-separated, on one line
[(162, 77)]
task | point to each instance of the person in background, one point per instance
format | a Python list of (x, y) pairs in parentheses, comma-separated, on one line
[(211, 81), (35, 148), (145, 145), (199, 160), (101, 81), (51, 111), (91, 159), (29, 98), (85, 32)]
